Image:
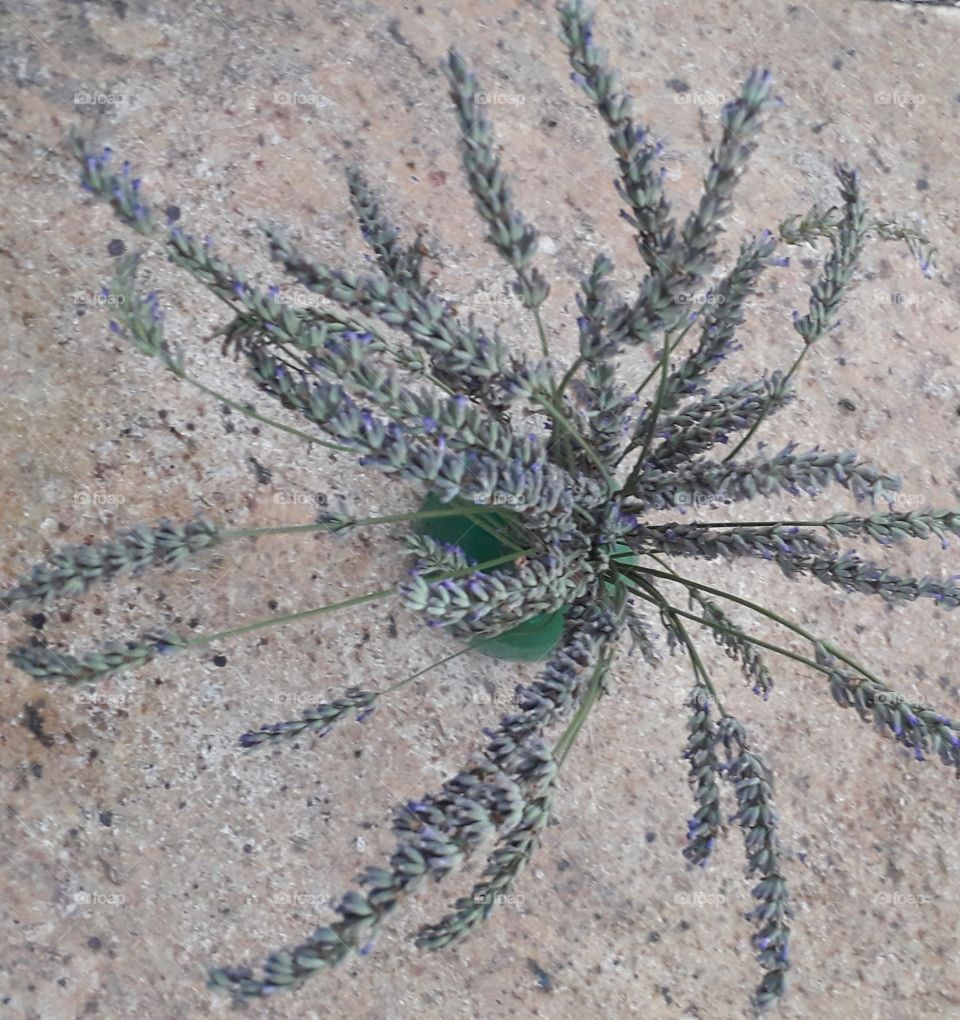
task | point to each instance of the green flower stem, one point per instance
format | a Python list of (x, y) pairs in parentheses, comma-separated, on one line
[(274, 621), (657, 368), (671, 347), (664, 369), (357, 600), (747, 524), (417, 515), (670, 575), (259, 417), (325, 715), (570, 430), (570, 373), (420, 672), (542, 333), (762, 417), (594, 689), (759, 642), (698, 667)]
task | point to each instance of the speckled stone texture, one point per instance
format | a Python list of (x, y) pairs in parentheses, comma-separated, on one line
[(138, 845)]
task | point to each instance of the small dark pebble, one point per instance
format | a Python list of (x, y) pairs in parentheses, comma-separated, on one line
[(248, 848), (172, 213), (272, 604), (543, 978), (116, 247), (37, 620), (106, 818), (650, 837), (922, 184), (848, 405), (94, 943), (677, 85), (654, 936), (219, 660)]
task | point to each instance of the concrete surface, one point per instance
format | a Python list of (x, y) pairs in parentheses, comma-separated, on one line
[(138, 846)]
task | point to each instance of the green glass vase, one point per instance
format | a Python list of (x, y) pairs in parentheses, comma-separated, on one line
[(483, 538)]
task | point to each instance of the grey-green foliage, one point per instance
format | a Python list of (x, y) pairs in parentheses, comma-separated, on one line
[(575, 461)]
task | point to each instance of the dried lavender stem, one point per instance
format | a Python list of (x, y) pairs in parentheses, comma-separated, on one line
[(670, 575)]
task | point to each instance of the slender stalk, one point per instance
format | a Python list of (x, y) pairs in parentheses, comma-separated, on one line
[(698, 667), (634, 443), (416, 515), (671, 575), (275, 621), (426, 669), (250, 413), (745, 524), (542, 333), (357, 600), (766, 410), (569, 374), (759, 642), (561, 419), (592, 694), (664, 368)]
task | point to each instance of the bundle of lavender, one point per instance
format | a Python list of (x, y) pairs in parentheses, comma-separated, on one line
[(391, 372)]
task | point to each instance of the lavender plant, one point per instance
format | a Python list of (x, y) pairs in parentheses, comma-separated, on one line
[(388, 370)]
